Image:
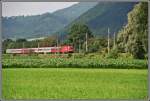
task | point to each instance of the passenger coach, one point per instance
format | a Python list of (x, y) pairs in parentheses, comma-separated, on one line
[(62, 49)]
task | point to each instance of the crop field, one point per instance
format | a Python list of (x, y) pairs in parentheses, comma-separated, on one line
[(74, 83), (92, 62)]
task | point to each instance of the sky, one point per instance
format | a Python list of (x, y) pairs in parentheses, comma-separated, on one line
[(32, 8)]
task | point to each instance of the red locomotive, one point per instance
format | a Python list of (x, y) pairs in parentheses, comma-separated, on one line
[(61, 49)]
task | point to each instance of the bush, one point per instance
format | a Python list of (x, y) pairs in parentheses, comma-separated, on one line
[(69, 55), (113, 53), (126, 55), (146, 56), (78, 55)]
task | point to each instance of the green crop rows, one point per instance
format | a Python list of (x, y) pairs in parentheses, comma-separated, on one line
[(48, 62)]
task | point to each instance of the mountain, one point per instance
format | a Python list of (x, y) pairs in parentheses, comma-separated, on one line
[(104, 15), (75, 11), (42, 25), (31, 26)]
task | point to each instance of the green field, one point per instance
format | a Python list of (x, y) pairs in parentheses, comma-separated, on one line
[(74, 83), (46, 61)]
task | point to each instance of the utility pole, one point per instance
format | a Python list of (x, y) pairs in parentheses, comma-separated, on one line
[(61, 40), (38, 47), (23, 47), (57, 45), (74, 44), (86, 43), (108, 47), (79, 45), (114, 40), (60, 43), (73, 47)]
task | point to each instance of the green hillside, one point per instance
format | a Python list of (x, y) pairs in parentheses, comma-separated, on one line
[(31, 26), (75, 11), (104, 15), (42, 25), (98, 16)]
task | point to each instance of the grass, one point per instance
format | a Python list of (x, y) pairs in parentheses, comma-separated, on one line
[(74, 83)]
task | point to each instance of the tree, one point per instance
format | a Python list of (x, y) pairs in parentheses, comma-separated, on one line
[(133, 38), (49, 41), (96, 44), (77, 34), (21, 40), (6, 44)]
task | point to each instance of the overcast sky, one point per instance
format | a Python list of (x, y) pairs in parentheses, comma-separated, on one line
[(32, 8)]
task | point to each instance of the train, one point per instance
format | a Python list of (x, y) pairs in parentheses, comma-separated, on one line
[(61, 49)]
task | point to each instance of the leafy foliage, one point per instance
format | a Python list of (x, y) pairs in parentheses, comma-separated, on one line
[(133, 38), (96, 44), (77, 34), (113, 53)]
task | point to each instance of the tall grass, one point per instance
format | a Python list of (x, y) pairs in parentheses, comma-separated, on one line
[(74, 83)]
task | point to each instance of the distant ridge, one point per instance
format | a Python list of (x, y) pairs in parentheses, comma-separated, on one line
[(98, 16), (42, 25), (104, 15)]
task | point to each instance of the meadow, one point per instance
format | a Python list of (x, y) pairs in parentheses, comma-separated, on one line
[(83, 77), (74, 83)]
